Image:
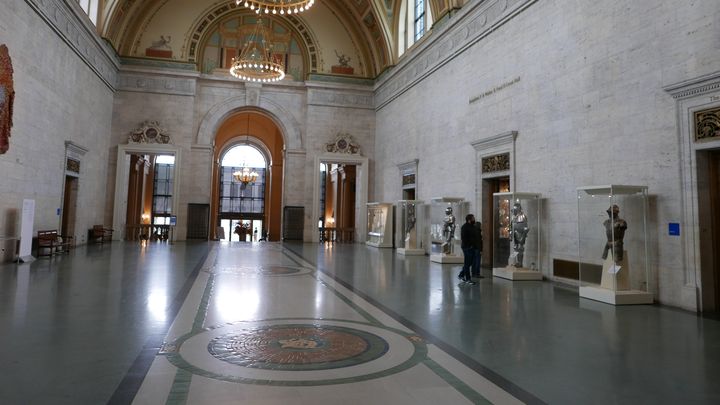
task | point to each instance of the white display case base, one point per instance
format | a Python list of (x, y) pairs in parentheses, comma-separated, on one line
[(444, 258), (623, 297), (411, 252), (517, 274), (378, 245)]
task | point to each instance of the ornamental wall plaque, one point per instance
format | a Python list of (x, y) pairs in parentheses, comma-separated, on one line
[(72, 165), (496, 163), (343, 143), (707, 125), (408, 179), (7, 97), (149, 132)]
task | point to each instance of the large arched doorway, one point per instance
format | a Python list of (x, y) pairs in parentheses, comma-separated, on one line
[(252, 140)]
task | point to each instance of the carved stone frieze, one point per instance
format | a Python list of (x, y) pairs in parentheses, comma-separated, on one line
[(343, 143), (340, 98), (80, 37), (496, 163), (472, 23), (156, 83), (149, 132), (707, 125)]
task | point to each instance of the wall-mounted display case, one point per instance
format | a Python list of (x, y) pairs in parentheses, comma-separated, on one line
[(447, 214), (612, 231), (380, 225), (516, 236), (408, 227)]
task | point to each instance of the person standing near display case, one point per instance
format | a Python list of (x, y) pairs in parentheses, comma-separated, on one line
[(478, 251), (469, 239)]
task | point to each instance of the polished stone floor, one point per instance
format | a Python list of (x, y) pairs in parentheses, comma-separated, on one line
[(272, 323)]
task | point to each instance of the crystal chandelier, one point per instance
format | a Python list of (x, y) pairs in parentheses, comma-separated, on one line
[(276, 6), (255, 62), (245, 176)]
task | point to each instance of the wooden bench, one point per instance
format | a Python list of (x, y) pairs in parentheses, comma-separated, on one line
[(100, 234), (52, 242)]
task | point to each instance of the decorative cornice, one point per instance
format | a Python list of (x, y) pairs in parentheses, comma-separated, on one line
[(505, 138), (74, 149), (335, 98), (157, 82), (158, 63), (694, 87), (412, 164), (321, 77), (76, 30), (296, 152), (472, 23)]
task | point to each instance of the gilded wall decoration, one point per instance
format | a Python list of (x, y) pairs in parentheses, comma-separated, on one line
[(408, 179), (496, 163), (343, 143), (7, 97), (72, 165), (149, 132), (707, 125)]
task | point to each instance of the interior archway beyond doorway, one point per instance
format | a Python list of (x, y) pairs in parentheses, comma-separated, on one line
[(256, 129)]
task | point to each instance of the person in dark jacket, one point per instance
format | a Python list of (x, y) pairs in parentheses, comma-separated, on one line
[(469, 239), (478, 253)]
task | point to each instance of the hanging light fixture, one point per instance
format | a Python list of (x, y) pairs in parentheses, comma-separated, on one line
[(246, 174), (276, 6), (255, 61)]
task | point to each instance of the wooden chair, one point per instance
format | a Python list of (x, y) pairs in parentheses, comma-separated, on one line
[(100, 234)]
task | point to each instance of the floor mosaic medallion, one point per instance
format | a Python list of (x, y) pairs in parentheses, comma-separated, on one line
[(296, 352)]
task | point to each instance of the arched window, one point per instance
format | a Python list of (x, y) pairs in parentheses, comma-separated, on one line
[(242, 204), (91, 9), (414, 22)]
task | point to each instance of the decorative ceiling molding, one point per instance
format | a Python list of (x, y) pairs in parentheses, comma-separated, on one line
[(75, 29), (471, 24)]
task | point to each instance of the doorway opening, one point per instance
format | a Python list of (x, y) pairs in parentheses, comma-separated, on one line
[(709, 213), (69, 211), (242, 203), (489, 223), (146, 185), (338, 189)]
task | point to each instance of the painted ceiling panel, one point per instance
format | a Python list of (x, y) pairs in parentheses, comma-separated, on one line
[(165, 29)]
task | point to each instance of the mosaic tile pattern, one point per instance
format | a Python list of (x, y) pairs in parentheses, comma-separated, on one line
[(298, 347), (296, 352), (263, 270)]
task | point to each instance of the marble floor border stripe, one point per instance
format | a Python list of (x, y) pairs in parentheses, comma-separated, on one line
[(489, 374), (365, 314), (469, 393), (180, 388), (130, 384)]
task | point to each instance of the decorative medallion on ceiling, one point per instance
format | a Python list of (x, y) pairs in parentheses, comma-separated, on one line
[(149, 132)]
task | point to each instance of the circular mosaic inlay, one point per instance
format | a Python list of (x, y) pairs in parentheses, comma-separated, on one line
[(296, 352), (264, 271), (298, 347)]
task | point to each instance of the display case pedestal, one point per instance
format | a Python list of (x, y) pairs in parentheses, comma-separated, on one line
[(517, 274), (410, 252), (626, 297), (622, 295), (446, 258)]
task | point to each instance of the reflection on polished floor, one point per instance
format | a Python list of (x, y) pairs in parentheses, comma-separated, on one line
[(269, 323)]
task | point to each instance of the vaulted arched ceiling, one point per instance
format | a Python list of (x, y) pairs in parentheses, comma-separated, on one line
[(360, 29)]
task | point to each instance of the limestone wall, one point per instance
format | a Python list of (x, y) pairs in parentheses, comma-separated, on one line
[(583, 87), (63, 79)]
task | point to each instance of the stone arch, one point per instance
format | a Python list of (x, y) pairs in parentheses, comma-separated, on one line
[(288, 124)]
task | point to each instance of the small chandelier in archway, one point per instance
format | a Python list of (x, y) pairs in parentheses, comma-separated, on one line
[(277, 6), (255, 61), (245, 176)]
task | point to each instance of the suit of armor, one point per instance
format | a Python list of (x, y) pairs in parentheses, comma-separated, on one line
[(448, 230), (615, 231), (519, 230)]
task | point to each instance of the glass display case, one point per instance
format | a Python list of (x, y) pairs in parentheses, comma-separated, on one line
[(612, 244), (380, 225), (447, 215), (516, 236), (409, 225)]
